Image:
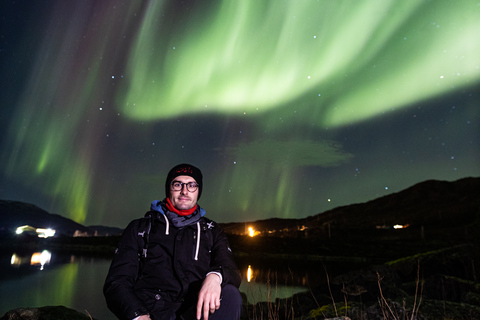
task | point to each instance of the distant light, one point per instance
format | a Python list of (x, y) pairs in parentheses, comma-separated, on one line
[(25, 228), (252, 232), (45, 233)]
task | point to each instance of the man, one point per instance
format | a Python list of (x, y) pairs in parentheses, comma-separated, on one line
[(174, 263)]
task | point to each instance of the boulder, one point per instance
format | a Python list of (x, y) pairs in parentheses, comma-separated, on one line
[(45, 313)]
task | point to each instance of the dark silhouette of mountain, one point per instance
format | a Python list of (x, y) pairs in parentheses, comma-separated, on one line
[(105, 231), (431, 203), (14, 214)]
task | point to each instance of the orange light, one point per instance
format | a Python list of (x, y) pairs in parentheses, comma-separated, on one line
[(249, 273), (41, 258)]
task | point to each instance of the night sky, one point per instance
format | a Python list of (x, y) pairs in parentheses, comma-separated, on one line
[(289, 108)]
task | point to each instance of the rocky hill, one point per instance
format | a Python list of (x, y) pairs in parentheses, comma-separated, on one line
[(14, 214), (430, 204)]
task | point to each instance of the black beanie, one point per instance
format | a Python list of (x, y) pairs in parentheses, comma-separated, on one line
[(184, 169)]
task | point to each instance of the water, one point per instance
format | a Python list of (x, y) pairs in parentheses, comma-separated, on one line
[(47, 279), (74, 282)]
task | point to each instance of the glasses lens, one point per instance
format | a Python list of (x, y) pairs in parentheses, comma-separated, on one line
[(192, 186), (177, 186)]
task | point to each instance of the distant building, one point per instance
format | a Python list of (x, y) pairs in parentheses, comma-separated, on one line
[(40, 232), (79, 233)]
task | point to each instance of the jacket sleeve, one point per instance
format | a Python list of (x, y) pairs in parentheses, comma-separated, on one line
[(222, 259), (122, 275)]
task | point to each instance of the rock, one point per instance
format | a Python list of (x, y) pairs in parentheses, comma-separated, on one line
[(45, 313), (22, 313)]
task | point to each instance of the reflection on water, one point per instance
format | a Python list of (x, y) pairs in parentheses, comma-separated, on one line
[(282, 271), (249, 273), (262, 274), (35, 259), (268, 279), (264, 284), (45, 278)]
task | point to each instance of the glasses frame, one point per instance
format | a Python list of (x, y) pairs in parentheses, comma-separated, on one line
[(184, 184)]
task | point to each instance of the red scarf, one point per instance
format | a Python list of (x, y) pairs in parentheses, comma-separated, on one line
[(180, 212)]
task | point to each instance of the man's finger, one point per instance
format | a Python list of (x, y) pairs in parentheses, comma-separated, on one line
[(206, 311), (199, 307), (213, 305)]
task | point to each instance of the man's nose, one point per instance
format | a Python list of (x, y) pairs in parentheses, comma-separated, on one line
[(184, 189)]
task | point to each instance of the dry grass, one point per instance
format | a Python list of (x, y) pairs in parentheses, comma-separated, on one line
[(345, 310)]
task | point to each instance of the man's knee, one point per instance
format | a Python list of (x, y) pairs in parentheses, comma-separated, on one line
[(230, 305), (232, 293)]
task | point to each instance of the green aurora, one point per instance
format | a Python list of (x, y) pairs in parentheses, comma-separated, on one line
[(264, 96)]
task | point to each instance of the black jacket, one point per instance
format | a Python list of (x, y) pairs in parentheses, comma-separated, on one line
[(180, 251)]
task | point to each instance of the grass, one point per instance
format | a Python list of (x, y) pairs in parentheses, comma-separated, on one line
[(402, 306)]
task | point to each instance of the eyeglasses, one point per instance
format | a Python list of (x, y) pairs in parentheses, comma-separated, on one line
[(178, 186)]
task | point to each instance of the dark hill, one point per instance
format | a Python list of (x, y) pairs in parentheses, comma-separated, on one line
[(429, 204), (14, 214)]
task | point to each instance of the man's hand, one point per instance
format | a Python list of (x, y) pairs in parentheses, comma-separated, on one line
[(209, 296)]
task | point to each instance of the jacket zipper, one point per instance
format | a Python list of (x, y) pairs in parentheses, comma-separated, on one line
[(198, 241)]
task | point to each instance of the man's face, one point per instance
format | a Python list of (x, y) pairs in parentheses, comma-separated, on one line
[(183, 199)]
